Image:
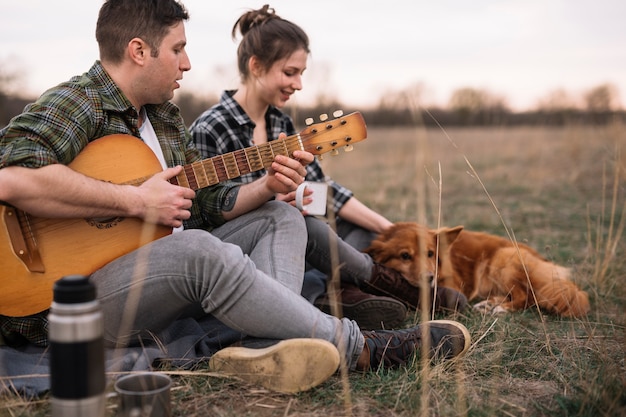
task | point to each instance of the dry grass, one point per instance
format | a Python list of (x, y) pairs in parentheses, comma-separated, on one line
[(559, 190)]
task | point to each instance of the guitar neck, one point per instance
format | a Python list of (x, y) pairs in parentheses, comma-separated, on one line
[(231, 165), (317, 139)]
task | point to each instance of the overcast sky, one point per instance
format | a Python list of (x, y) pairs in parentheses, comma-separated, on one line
[(519, 49)]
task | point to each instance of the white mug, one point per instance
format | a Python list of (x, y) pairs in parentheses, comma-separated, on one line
[(318, 206)]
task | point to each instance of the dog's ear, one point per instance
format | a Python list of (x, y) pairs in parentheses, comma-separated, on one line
[(376, 250), (449, 234), (454, 233)]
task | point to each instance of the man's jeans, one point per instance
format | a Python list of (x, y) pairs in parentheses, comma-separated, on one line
[(250, 281)]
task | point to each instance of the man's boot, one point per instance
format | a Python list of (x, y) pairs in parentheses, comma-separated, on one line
[(388, 349), (388, 282), (368, 310)]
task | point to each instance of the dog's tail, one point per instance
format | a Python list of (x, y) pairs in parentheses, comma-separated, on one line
[(554, 290)]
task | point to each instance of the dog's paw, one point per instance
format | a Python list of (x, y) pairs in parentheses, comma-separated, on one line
[(499, 310), (488, 306), (483, 306)]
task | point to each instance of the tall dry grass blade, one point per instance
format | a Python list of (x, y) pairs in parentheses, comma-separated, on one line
[(425, 286), (439, 214), (135, 292), (333, 288)]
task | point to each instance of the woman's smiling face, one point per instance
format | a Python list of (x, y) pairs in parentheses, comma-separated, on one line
[(283, 78)]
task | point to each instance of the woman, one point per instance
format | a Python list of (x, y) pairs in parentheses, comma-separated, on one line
[(272, 57)]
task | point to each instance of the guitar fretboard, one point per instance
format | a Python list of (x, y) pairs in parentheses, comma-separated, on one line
[(220, 168)]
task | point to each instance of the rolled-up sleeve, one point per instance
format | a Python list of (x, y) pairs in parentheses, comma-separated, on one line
[(208, 205)]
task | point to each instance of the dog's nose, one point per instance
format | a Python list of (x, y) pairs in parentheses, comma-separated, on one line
[(428, 276)]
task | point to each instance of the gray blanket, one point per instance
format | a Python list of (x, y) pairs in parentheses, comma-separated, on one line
[(25, 370)]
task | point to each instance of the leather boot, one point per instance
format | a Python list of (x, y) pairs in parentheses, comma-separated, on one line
[(371, 312), (389, 282), (393, 348)]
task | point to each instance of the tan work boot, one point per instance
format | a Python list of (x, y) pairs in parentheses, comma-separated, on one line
[(289, 366), (368, 310)]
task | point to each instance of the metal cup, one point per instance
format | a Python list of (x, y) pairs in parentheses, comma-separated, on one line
[(144, 395)]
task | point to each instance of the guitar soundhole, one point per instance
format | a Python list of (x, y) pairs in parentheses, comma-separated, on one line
[(104, 223)]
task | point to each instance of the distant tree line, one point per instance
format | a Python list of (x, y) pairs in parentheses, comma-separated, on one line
[(466, 107)]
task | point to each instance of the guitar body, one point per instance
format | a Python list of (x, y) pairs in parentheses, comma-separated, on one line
[(75, 246)]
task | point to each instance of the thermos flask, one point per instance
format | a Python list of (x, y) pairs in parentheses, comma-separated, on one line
[(77, 377)]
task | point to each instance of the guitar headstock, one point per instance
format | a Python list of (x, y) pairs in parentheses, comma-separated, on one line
[(330, 135)]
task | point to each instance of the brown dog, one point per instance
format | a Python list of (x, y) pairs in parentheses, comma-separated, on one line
[(481, 266)]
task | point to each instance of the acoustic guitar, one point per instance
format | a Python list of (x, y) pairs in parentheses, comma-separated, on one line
[(35, 252)]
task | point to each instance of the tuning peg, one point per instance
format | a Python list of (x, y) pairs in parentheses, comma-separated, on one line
[(308, 121), (348, 148), (334, 152), (337, 113), (323, 117)]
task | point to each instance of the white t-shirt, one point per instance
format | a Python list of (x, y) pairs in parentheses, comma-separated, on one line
[(150, 138)]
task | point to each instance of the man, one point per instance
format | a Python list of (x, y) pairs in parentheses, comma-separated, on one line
[(247, 271)]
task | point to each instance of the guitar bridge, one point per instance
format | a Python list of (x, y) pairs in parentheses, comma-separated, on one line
[(25, 248)]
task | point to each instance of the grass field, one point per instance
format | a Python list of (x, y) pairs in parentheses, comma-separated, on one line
[(562, 191)]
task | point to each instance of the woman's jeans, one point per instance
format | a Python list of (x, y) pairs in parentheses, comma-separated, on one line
[(247, 273), (347, 242)]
